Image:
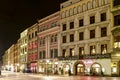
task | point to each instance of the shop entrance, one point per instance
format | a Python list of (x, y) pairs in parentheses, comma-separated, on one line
[(96, 69), (80, 69)]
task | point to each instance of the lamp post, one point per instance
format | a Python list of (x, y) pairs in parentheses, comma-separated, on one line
[(47, 62)]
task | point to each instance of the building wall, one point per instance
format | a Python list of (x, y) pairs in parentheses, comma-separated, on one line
[(32, 47), (75, 10), (48, 43)]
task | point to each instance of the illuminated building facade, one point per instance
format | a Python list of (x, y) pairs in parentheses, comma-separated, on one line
[(23, 49), (48, 44), (17, 56), (85, 37), (32, 48), (115, 9)]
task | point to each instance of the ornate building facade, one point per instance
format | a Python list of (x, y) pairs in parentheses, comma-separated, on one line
[(48, 44), (85, 36)]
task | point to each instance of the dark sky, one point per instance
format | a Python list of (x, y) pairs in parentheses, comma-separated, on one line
[(17, 15)]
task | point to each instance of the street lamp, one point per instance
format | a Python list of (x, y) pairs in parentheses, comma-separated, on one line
[(47, 62)]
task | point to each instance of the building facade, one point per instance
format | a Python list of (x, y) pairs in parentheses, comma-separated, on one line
[(48, 31), (85, 36), (115, 29), (32, 48), (17, 56), (23, 49)]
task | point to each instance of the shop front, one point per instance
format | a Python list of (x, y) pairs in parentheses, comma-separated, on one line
[(33, 67), (79, 68)]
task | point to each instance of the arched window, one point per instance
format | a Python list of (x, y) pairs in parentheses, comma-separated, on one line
[(89, 5), (79, 9), (63, 14), (75, 10), (99, 2), (106, 1), (84, 7), (71, 12), (67, 13), (94, 3)]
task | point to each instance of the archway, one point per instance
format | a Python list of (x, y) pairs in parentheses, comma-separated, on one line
[(66, 68), (96, 69), (79, 68)]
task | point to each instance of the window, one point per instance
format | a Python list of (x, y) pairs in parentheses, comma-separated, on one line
[(81, 22), (51, 53), (89, 5), (103, 48), (64, 39), (81, 51), (92, 34), (117, 20), (92, 19), (44, 54), (84, 7), (64, 27), (103, 32), (94, 3), (99, 2), (67, 13), (32, 35), (81, 36), (71, 37), (71, 52), (75, 10), (92, 50), (116, 2), (63, 15), (79, 9), (71, 25), (55, 53), (64, 52), (35, 33), (71, 12), (103, 17)]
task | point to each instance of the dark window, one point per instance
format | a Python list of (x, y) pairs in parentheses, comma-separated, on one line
[(92, 19), (80, 22), (35, 33), (32, 35), (51, 53), (117, 20), (81, 51), (71, 25), (103, 48), (71, 52), (40, 55), (103, 32), (81, 36), (29, 36), (64, 39), (92, 34), (71, 38), (116, 2), (55, 53), (64, 27), (103, 17), (64, 51), (44, 54)]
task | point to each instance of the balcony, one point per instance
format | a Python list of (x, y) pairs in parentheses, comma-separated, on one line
[(87, 56)]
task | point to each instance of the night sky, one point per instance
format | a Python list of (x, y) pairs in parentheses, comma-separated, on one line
[(17, 15)]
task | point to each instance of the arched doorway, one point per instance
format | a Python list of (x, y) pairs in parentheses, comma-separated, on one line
[(79, 68), (96, 69), (66, 69)]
